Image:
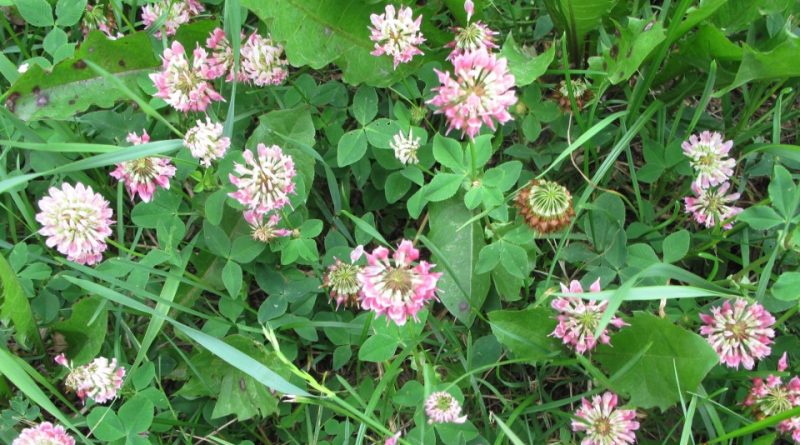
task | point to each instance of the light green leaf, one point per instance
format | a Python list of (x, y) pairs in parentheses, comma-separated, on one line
[(777, 63), (635, 45), (578, 17), (232, 278), (761, 217), (526, 333), (448, 152), (351, 148), (365, 105), (524, 66), (85, 330), (36, 12), (69, 11), (783, 192), (787, 288), (443, 186), (675, 246)]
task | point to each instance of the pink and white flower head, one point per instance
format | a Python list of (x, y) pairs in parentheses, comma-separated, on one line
[(441, 407), (206, 142), (262, 61), (267, 230), (708, 155), (604, 424), (341, 282), (221, 59), (740, 333), (76, 221), (771, 396), (397, 287), (712, 206), (578, 318), (396, 33), (182, 85), (392, 440), (44, 433), (97, 17), (480, 94), (264, 181), (473, 37), (469, 7), (144, 175), (98, 380), (178, 12), (405, 147)]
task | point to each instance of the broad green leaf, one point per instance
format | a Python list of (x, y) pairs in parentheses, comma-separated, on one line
[(461, 289), (149, 214), (524, 66), (69, 11), (216, 239), (85, 330), (579, 17), (658, 361), (36, 12), (526, 332), (777, 63), (351, 148), (378, 348), (443, 186), (15, 306), (635, 44), (448, 152), (761, 217), (319, 32), (105, 424), (675, 246), (136, 414), (232, 278), (365, 105), (787, 287), (783, 192), (71, 87)]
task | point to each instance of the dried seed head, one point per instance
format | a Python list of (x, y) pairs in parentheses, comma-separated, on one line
[(545, 205)]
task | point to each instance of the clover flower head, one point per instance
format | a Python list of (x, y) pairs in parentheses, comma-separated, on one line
[(713, 205), (267, 229), (545, 205), (99, 380), (578, 319), (76, 221), (397, 287), (603, 423), (770, 396), (264, 182), (405, 147), (144, 175), (740, 333), (473, 37), (708, 155), (206, 142), (44, 433), (182, 85), (396, 33), (341, 282), (178, 12), (262, 61), (441, 407), (479, 93)]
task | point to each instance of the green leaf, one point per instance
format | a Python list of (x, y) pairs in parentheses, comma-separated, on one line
[(461, 288), (365, 105), (85, 330), (783, 193), (216, 239), (36, 12), (352, 147), (232, 278), (54, 40), (319, 32), (15, 306), (657, 361), (149, 214), (443, 186), (777, 63), (69, 11), (448, 152), (245, 249), (397, 186), (137, 414), (105, 424), (787, 287), (579, 17), (676, 245), (71, 87), (761, 217), (378, 348), (524, 66), (526, 333), (635, 45)]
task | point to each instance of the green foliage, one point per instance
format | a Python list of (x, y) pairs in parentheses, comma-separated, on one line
[(85, 330), (16, 308), (526, 333)]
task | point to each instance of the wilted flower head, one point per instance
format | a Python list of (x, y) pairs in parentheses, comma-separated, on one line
[(267, 230), (341, 282), (405, 147), (473, 37), (396, 33), (44, 433), (97, 17), (206, 142), (182, 85), (771, 396), (264, 181), (481, 92), (580, 91), (76, 221), (578, 318), (142, 176), (708, 155), (262, 61), (441, 407), (98, 380), (178, 12), (603, 423), (545, 205), (711, 206), (740, 333), (397, 287), (392, 440)]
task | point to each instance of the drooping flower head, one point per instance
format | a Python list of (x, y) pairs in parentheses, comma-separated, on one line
[(98, 380), (604, 424), (178, 12), (473, 37), (396, 33), (741, 333), (182, 85), (44, 433), (711, 206), (262, 61), (545, 205), (76, 221), (580, 91), (770, 396), (267, 229), (264, 181), (144, 175), (397, 287), (469, 7), (405, 147), (341, 282), (97, 17), (578, 318), (441, 407), (206, 142), (708, 155), (480, 93)]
